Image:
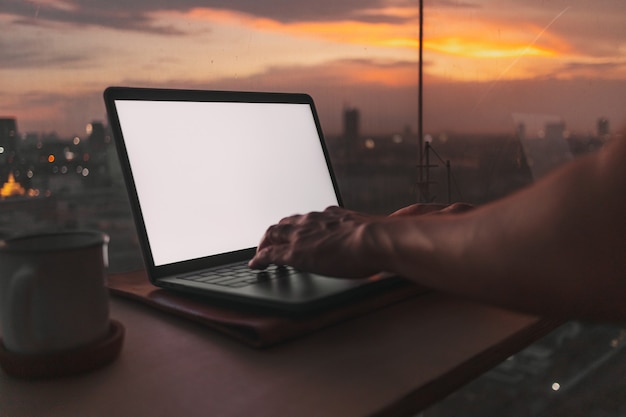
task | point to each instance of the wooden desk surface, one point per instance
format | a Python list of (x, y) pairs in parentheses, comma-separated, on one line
[(394, 361)]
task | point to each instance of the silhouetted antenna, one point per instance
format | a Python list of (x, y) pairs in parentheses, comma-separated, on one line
[(420, 97), (424, 185)]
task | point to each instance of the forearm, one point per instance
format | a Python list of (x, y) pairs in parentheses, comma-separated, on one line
[(556, 248)]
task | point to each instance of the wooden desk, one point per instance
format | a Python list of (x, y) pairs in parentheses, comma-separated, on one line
[(393, 362)]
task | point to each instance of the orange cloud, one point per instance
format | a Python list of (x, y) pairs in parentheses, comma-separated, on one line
[(473, 39), (392, 77), (386, 35), (483, 48), (341, 73), (353, 32), (476, 42), (484, 39)]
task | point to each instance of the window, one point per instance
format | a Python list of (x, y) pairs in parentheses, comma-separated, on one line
[(358, 62), (511, 89)]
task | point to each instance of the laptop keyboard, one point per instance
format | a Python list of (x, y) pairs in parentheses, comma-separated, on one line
[(236, 275)]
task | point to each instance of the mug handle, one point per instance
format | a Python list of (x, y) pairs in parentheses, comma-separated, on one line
[(20, 295)]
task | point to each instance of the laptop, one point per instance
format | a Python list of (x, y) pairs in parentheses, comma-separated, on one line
[(207, 172)]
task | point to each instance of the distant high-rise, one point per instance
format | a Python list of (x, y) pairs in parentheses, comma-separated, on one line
[(8, 134), (603, 127), (8, 145), (98, 150), (521, 130), (97, 136), (351, 122)]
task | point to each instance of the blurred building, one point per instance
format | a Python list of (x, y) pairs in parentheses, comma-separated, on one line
[(351, 123), (603, 127), (97, 154), (8, 146)]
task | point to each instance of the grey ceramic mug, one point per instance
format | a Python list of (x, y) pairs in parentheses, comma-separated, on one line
[(53, 294)]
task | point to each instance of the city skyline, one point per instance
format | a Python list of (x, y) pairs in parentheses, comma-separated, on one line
[(483, 60)]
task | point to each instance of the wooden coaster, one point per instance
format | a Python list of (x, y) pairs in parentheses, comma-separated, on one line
[(67, 362)]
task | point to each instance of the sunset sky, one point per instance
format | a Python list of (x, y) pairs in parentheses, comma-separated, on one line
[(484, 60)]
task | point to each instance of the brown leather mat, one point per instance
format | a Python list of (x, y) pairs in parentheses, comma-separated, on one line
[(257, 328)]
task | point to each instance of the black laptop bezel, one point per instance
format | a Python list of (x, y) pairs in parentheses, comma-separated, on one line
[(111, 94)]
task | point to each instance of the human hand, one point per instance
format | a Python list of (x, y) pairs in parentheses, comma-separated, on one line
[(335, 242)]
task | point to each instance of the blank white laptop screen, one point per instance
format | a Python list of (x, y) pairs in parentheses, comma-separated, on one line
[(211, 177)]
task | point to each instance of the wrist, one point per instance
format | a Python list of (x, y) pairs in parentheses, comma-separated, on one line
[(379, 245), (409, 247)]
